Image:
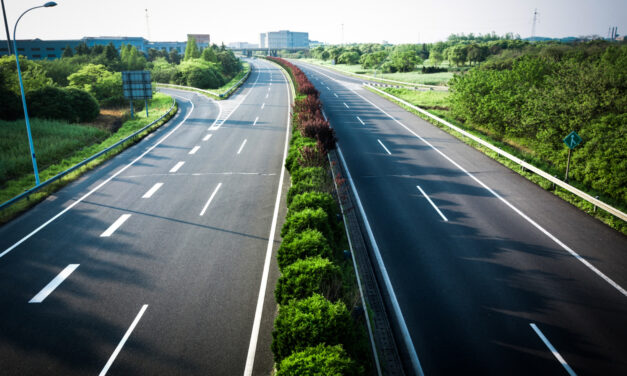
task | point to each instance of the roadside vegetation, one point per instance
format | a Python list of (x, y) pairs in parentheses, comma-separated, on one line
[(316, 330), (61, 145), (527, 103), (210, 68)]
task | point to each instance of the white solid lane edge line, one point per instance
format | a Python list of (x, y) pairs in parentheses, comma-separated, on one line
[(254, 336), (16, 244), (346, 105), (52, 285), (383, 146), (511, 206), (123, 341), (361, 121), (432, 204), (386, 279), (177, 166), (256, 119), (119, 222), (553, 350), (152, 190), (242, 146), (204, 209), (207, 137), (194, 149)]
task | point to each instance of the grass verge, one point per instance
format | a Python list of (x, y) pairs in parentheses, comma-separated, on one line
[(65, 159), (438, 106), (407, 78)]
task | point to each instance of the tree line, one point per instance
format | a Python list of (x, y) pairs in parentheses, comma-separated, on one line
[(75, 86)]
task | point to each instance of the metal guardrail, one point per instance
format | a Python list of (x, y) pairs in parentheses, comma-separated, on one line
[(594, 201), (83, 163), (226, 94)]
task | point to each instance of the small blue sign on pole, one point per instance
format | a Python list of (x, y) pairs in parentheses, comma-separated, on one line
[(572, 140)]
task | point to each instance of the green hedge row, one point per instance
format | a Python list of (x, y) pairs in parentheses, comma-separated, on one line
[(314, 332)]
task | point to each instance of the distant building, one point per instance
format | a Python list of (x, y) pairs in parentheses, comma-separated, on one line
[(262, 40), (284, 39), (36, 49), (242, 45)]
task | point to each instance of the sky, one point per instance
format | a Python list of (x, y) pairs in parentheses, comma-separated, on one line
[(394, 21)]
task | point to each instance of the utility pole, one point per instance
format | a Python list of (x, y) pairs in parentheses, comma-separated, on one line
[(6, 27), (535, 19), (342, 35), (147, 26)]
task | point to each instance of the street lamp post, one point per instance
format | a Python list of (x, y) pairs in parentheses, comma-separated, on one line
[(19, 74)]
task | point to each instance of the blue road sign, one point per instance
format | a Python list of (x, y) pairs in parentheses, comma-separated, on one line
[(572, 140)]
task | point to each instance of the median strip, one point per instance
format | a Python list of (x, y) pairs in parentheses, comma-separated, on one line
[(50, 287)]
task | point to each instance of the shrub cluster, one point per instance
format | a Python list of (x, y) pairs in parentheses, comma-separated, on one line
[(314, 325), (70, 104)]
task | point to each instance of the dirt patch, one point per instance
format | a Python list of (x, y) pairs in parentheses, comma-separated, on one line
[(110, 119)]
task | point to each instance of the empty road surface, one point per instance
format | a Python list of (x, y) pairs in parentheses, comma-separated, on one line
[(152, 264), (491, 274)]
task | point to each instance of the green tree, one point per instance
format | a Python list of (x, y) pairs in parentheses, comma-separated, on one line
[(174, 57), (67, 52), (208, 54), (436, 57), (458, 54), (191, 49), (403, 61), (373, 60), (349, 57)]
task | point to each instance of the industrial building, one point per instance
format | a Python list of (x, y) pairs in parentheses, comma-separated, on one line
[(283, 39), (36, 49)]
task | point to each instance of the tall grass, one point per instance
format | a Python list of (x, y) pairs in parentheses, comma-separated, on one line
[(61, 156), (53, 140)]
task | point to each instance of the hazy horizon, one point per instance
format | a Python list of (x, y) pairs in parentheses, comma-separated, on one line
[(363, 21)]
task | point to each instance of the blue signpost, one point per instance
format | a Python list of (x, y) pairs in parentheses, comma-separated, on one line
[(572, 140), (137, 85)]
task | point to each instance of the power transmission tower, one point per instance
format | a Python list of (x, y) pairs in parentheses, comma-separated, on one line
[(342, 35), (535, 19), (147, 26)]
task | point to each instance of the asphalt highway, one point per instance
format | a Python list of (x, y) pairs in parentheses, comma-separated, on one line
[(154, 262), (492, 275)]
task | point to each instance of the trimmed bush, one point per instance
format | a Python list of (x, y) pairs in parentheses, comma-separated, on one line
[(313, 174), (294, 152), (312, 156), (301, 187), (309, 322), (306, 277), (84, 106), (316, 219), (321, 360), (309, 243), (10, 105), (49, 103), (314, 200)]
